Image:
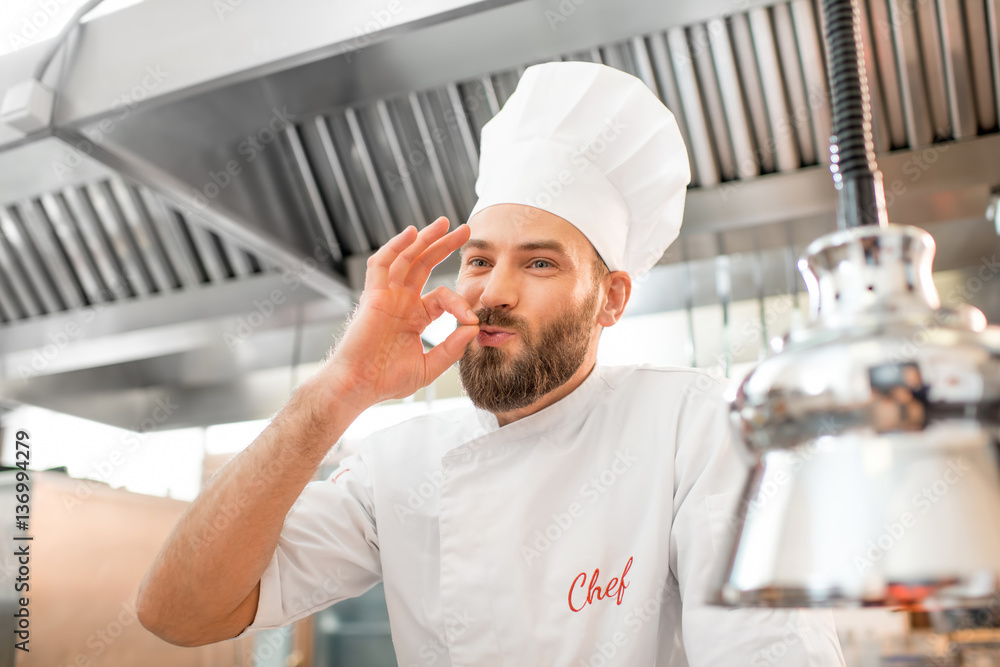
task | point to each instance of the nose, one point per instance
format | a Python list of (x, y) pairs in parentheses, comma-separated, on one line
[(500, 291)]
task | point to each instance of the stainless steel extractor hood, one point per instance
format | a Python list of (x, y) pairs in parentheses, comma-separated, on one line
[(203, 165)]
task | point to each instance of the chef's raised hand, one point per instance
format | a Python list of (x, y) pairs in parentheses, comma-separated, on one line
[(381, 355)]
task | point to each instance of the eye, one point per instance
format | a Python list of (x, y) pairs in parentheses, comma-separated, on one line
[(472, 262), (546, 262)]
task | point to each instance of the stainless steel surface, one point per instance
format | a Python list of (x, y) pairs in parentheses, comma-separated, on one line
[(930, 31), (746, 61), (772, 79), (874, 431), (699, 138), (810, 52), (669, 92), (880, 59), (324, 234), (913, 92), (12, 229), (724, 290), (708, 84), (993, 44), (798, 97), (378, 126), (342, 194), (955, 45), (976, 22), (736, 115), (936, 174)]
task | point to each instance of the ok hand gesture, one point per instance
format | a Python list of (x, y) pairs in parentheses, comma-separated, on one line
[(381, 355)]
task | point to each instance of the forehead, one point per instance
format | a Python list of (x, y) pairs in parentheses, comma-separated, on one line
[(506, 226)]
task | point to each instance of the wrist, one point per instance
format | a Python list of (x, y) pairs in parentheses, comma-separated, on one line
[(316, 416), (331, 399)]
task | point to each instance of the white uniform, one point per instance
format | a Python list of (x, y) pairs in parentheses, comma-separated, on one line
[(584, 534)]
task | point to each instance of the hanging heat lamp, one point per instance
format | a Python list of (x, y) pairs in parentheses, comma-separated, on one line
[(876, 479)]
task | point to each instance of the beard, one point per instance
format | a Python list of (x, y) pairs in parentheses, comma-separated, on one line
[(501, 381)]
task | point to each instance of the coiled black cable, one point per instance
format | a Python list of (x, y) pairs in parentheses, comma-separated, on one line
[(852, 147)]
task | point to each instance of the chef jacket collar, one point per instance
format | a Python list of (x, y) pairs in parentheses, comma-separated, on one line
[(569, 408)]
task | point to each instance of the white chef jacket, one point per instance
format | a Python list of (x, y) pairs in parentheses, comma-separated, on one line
[(585, 534)]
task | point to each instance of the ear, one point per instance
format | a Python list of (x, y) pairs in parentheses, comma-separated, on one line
[(617, 290)]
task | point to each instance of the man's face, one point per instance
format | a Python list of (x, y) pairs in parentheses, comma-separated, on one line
[(529, 276)]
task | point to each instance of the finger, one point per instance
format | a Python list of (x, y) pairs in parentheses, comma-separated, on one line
[(377, 273), (435, 254), (448, 351), (442, 299), (401, 264)]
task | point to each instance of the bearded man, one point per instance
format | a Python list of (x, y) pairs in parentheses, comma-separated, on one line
[(574, 514)]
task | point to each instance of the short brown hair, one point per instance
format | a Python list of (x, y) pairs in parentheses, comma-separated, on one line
[(600, 270)]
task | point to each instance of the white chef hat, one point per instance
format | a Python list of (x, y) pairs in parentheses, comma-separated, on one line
[(594, 146)]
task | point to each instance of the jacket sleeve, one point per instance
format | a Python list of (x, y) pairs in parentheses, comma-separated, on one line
[(327, 552), (708, 482)]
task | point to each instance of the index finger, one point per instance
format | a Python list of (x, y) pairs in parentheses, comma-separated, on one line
[(401, 264), (377, 273), (435, 254)]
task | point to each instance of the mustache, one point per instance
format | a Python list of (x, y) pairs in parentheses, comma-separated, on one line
[(498, 318)]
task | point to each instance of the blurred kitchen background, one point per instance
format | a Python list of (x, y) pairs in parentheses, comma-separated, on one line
[(178, 252)]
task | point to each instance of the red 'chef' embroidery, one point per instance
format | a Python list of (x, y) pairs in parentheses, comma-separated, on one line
[(614, 588), (339, 474)]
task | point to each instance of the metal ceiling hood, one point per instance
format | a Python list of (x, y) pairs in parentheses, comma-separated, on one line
[(204, 155), (313, 129)]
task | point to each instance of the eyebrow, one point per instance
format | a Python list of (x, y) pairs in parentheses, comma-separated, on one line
[(546, 244)]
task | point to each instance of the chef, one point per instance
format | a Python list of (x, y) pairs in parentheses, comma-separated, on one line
[(574, 514)]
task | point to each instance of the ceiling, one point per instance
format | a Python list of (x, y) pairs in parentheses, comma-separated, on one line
[(197, 221)]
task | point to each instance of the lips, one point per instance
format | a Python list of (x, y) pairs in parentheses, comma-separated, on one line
[(493, 336)]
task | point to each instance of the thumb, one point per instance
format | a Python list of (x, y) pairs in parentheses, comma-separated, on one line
[(449, 350)]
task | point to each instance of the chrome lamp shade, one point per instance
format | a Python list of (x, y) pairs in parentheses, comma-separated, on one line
[(874, 433)]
